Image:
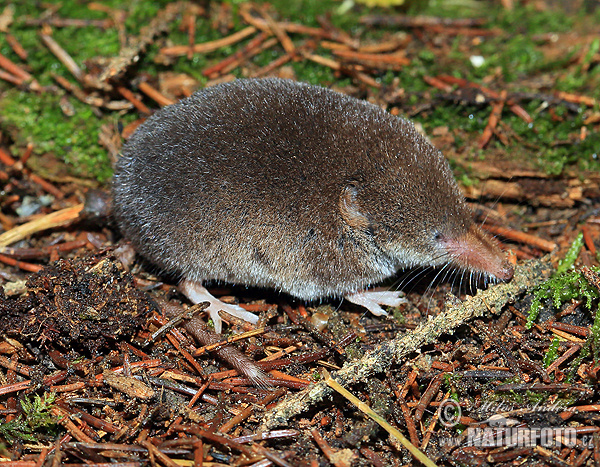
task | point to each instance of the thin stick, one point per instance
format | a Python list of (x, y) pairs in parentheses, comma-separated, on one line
[(293, 28), (417, 454), (153, 94), (6, 158), (62, 55), (191, 35), (138, 104), (16, 46), (373, 59), (493, 121), (55, 219), (229, 340), (6, 76), (587, 238), (46, 185), (576, 98), (272, 66), (27, 154), (274, 27), (20, 264), (210, 46), (437, 83), (521, 237), (218, 68), (14, 69), (328, 62), (250, 53)]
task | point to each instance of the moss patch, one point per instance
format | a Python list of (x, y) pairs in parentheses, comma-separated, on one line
[(516, 59)]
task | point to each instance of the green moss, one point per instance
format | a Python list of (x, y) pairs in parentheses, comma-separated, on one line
[(531, 21), (38, 119), (560, 289), (520, 56), (565, 285), (35, 420), (569, 260), (515, 51), (551, 146)]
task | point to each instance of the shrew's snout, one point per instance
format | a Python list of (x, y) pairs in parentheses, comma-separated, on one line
[(476, 251)]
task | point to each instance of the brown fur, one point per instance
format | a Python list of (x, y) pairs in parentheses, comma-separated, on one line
[(280, 184)]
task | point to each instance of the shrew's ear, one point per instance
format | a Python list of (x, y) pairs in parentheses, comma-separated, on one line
[(350, 208)]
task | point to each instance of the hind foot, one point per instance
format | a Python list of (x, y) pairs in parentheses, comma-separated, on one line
[(198, 294)]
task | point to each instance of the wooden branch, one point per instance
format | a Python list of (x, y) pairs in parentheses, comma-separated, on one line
[(49, 221), (16, 46), (576, 98)]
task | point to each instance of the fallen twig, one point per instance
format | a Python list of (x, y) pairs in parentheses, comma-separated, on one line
[(260, 23), (521, 237), (14, 70), (16, 46), (576, 98), (88, 99), (20, 264), (154, 94), (274, 27), (493, 121), (138, 104), (49, 221), (211, 46), (62, 55), (587, 238), (379, 61), (236, 58), (6, 76), (280, 61), (437, 83)]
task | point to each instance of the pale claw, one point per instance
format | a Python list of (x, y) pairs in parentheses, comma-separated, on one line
[(372, 300), (197, 294)]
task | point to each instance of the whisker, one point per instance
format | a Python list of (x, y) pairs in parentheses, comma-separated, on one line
[(461, 282), (495, 202), (404, 283), (433, 281)]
